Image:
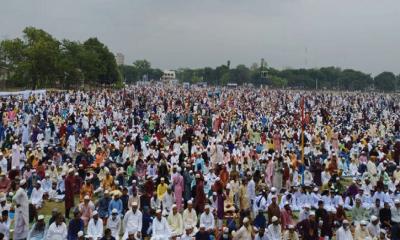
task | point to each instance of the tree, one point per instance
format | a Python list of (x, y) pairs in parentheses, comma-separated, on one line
[(278, 81), (39, 60), (143, 67), (386, 81), (70, 64)]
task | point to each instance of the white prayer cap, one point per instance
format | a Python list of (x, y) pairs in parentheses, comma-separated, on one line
[(188, 227), (86, 197), (134, 204), (114, 210), (316, 189), (207, 207), (374, 218), (202, 225), (94, 213), (246, 220), (173, 206), (40, 217), (307, 205), (80, 234), (312, 213), (22, 182), (197, 175), (273, 189), (363, 223), (274, 219), (396, 201), (345, 221), (71, 170), (382, 231), (189, 202), (158, 211), (290, 226)]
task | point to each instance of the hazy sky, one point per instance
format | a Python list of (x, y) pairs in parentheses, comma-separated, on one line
[(360, 34)]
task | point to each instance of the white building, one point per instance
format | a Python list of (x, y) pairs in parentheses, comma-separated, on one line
[(120, 58), (168, 76)]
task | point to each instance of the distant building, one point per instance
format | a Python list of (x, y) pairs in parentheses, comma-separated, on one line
[(168, 76), (120, 58)]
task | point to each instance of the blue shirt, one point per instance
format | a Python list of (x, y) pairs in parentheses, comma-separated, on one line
[(117, 204), (73, 228)]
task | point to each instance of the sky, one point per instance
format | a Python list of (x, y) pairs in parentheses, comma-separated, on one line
[(358, 34)]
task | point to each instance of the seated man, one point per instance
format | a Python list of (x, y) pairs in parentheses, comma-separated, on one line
[(54, 195), (175, 221), (37, 196), (207, 219)]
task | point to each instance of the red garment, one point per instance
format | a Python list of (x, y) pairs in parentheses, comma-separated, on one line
[(77, 184), (5, 185), (69, 191), (286, 218), (200, 198), (149, 187), (41, 172)]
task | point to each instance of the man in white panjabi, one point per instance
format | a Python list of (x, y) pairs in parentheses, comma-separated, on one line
[(114, 223), (95, 227), (57, 230), (244, 232), (132, 221), (190, 216), (21, 224), (344, 233), (175, 221), (207, 219), (37, 196), (160, 226)]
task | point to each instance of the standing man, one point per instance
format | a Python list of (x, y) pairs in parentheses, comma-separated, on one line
[(69, 192), (21, 225)]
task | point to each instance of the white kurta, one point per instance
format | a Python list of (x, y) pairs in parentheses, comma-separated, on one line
[(95, 230), (132, 222), (161, 229), (115, 226), (207, 220), (189, 218), (16, 156), (342, 234), (175, 223), (21, 225), (37, 197), (57, 232)]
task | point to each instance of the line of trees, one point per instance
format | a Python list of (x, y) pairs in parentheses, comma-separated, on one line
[(38, 60), (320, 78), (317, 78)]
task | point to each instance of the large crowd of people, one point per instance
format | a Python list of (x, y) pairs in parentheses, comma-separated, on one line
[(168, 162)]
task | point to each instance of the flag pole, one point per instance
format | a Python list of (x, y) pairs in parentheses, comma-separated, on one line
[(302, 129)]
